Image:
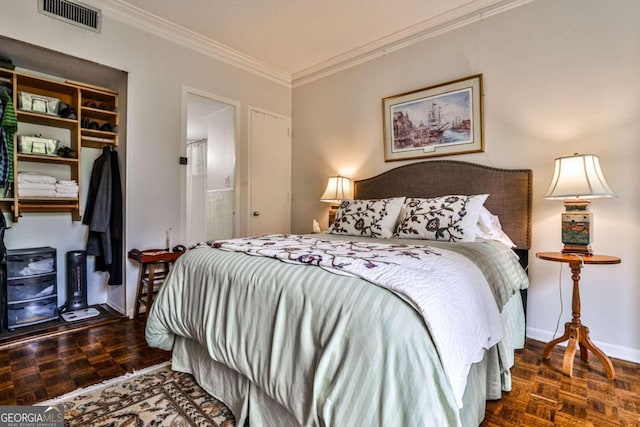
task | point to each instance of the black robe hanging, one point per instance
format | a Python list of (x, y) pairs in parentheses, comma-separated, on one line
[(103, 215)]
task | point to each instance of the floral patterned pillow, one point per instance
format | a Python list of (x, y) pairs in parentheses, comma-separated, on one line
[(448, 218), (372, 218)]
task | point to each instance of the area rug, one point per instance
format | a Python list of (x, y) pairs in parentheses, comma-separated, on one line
[(155, 396)]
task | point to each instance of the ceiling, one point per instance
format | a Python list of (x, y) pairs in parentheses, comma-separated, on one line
[(299, 37), (295, 34)]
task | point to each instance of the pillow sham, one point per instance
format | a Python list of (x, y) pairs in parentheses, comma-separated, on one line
[(489, 228), (372, 218), (451, 218)]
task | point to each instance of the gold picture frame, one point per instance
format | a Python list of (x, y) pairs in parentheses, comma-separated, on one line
[(441, 120)]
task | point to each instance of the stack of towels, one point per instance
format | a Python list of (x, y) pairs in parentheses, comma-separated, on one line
[(31, 184), (67, 188)]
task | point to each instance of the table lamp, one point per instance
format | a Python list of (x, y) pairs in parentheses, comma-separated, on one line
[(576, 179), (338, 189)]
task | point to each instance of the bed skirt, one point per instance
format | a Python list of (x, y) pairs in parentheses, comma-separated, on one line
[(487, 379)]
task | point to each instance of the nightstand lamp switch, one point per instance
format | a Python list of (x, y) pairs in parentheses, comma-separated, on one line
[(576, 179)]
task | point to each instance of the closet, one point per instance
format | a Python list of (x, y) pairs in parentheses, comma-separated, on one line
[(97, 96), (67, 115)]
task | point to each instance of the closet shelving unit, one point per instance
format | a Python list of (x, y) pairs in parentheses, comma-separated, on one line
[(100, 106), (93, 105)]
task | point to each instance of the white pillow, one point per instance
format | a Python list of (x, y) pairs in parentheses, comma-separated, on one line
[(489, 228), (451, 218), (372, 218)]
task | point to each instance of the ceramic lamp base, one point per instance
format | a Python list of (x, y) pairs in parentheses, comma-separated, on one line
[(577, 227)]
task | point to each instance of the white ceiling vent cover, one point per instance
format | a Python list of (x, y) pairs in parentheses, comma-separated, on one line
[(72, 12)]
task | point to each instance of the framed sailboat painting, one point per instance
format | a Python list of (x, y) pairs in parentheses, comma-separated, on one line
[(440, 120)]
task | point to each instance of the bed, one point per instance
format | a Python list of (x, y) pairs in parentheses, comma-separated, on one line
[(288, 344)]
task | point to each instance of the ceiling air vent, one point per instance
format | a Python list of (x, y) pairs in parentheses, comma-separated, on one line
[(72, 12)]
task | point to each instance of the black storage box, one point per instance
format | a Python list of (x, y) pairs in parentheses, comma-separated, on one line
[(31, 286)]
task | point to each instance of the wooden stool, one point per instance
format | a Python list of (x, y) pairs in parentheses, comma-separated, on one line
[(154, 267)]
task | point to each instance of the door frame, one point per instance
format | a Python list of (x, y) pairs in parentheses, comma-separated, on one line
[(186, 91), (250, 109)]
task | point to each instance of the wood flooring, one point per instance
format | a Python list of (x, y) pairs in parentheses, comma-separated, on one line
[(542, 396), (49, 367)]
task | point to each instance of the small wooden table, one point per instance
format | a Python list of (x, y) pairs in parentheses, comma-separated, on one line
[(575, 331)]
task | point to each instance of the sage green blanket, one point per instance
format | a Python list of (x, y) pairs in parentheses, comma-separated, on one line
[(332, 350)]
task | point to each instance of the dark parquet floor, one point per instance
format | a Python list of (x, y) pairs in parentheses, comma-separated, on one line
[(542, 396), (49, 367)]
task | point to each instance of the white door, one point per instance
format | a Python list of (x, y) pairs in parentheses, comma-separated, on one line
[(270, 173)]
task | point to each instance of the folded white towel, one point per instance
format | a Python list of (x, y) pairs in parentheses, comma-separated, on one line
[(36, 186), (35, 193), (36, 178), (67, 195), (67, 182), (66, 187)]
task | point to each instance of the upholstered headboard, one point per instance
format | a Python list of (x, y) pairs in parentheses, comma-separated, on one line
[(509, 190)]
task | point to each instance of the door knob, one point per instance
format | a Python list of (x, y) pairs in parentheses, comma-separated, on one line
[(256, 213)]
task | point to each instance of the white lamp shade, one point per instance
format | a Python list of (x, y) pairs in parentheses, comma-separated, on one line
[(578, 176), (338, 189)]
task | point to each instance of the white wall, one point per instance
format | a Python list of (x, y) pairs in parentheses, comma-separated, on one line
[(157, 71), (221, 151), (559, 77)]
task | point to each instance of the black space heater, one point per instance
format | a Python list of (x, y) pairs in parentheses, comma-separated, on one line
[(76, 280)]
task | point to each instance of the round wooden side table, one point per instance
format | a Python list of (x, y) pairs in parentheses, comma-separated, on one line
[(575, 332)]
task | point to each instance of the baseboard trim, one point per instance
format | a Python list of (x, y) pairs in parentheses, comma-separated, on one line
[(116, 307), (611, 350)]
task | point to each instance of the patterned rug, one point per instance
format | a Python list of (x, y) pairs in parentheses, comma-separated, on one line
[(156, 396)]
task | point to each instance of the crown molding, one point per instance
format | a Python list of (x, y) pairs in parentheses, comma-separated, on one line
[(145, 21), (472, 12)]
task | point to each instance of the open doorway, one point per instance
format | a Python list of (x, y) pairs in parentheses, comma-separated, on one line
[(211, 165)]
